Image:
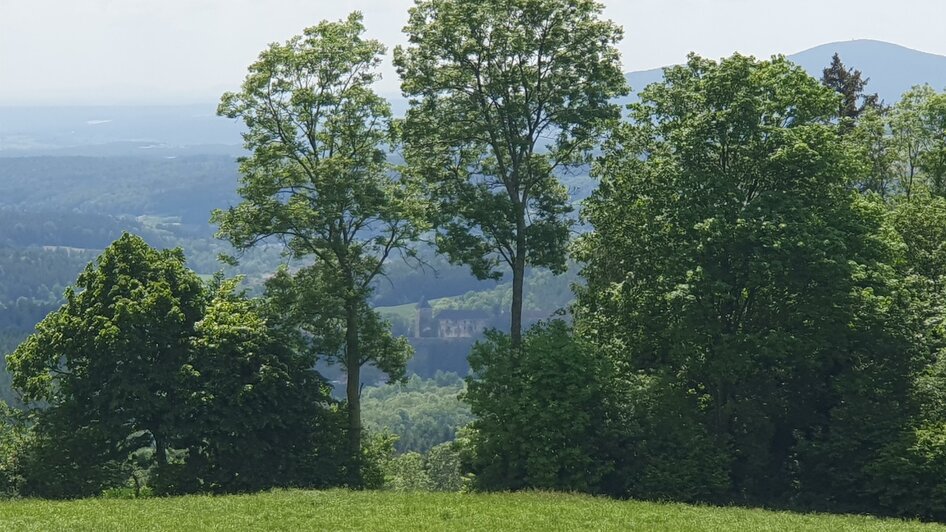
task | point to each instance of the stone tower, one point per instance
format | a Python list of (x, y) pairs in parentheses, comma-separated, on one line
[(424, 325)]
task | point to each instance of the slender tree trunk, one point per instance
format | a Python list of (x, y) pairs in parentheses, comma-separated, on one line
[(353, 390), (160, 451), (518, 273), (518, 281)]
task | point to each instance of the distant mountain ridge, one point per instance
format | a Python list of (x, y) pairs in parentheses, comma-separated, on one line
[(169, 131), (892, 68)]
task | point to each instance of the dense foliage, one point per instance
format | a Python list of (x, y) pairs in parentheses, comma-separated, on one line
[(422, 413), (32, 282), (752, 330), (437, 470), (147, 372), (539, 412), (727, 218)]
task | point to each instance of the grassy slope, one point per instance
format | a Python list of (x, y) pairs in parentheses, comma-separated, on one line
[(342, 510), (406, 312)]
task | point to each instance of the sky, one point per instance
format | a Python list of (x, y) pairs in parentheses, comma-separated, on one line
[(97, 52)]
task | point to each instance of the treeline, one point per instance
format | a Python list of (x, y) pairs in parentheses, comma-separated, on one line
[(61, 228), (38, 275), (186, 187), (150, 380), (41, 253), (32, 283), (407, 283), (545, 293)]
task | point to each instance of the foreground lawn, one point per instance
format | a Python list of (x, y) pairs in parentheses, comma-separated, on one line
[(343, 510)]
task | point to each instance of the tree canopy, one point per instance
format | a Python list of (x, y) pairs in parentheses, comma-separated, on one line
[(144, 357), (732, 265), (505, 95)]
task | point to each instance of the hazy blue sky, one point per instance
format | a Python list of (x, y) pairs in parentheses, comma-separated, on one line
[(169, 51)]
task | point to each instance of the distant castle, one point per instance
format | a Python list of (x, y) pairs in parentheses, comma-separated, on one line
[(451, 323), (462, 323)]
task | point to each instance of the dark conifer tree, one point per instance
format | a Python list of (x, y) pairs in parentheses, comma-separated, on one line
[(850, 85)]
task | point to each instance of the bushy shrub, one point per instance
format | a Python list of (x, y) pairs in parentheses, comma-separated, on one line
[(406, 472), (377, 453), (541, 412), (909, 478), (443, 468), (660, 447)]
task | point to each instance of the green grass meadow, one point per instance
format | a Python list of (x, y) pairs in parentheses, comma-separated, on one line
[(385, 511)]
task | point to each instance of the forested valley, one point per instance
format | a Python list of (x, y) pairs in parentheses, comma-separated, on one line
[(725, 287)]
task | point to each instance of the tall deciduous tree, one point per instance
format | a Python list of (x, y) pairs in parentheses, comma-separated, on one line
[(732, 263), (317, 178), (504, 95)]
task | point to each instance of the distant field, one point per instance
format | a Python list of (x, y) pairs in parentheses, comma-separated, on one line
[(343, 510), (405, 312)]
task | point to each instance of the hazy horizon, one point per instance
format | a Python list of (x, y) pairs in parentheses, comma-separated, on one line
[(136, 52)]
